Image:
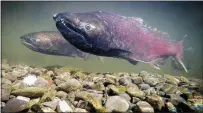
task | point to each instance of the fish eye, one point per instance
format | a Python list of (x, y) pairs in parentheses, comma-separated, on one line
[(88, 27)]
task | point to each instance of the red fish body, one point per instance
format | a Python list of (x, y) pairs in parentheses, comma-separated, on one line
[(112, 35)]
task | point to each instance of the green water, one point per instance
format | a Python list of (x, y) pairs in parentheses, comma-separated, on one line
[(176, 18)]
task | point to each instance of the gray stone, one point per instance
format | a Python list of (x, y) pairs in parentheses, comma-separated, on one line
[(144, 107), (137, 80), (5, 93), (69, 85), (16, 104), (117, 103), (80, 110), (144, 86), (125, 96)]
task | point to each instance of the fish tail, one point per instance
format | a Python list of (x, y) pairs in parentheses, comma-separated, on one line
[(179, 48), (179, 54)]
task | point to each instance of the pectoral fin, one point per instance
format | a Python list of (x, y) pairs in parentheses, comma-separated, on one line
[(119, 53), (134, 62)]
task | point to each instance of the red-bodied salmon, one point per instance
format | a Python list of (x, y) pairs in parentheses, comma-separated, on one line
[(113, 35)]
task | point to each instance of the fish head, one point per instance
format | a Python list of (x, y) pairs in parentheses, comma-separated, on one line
[(36, 42), (83, 30)]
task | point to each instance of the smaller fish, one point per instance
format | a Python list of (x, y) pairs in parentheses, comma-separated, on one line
[(51, 43)]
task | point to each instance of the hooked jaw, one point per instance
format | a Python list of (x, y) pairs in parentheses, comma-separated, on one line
[(66, 24)]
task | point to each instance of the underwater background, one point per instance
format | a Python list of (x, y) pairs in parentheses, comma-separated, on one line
[(176, 18)]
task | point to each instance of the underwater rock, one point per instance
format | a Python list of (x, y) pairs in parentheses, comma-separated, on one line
[(122, 74), (52, 104), (171, 107), (135, 92), (143, 107), (175, 99), (137, 80), (16, 104), (117, 103), (125, 96), (169, 89), (41, 82), (110, 79), (69, 85), (159, 86), (113, 89), (49, 95), (144, 86), (87, 84), (6, 81), (194, 86), (144, 73), (47, 110), (38, 71), (50, 73), (122, 89), (78, 110), (63, 76), (71, 96), (84, 105), (183, 79), (134, 74), (183, 89), (79, 75), (98, 79), (3, 105), (197, 104), (61, 94), (171, 79), (58, 82), (98, 86), (29, 80), (63, 107), (156, 101), (94, 101), (29, 92), (150, 91), (32, 102), (125, 81), (5, 93), (135, 100), (5, 66), (18, 85), (19, 72), (151, 81), (9, 76), (91, 92)]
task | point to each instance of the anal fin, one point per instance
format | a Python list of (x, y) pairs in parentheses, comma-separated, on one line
[(158, 63), (134, 62)]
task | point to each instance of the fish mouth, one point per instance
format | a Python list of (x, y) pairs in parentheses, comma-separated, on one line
[(27, 44), (69, 31)]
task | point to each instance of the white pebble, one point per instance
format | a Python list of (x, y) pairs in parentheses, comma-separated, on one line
[(30, 80), (64, 107)]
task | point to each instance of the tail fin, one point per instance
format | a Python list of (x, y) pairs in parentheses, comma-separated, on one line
[(179, 55)]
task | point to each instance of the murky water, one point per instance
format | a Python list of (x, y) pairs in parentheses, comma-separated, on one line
[(176, 18)]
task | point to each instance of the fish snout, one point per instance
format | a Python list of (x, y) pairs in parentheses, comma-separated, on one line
[(57, 17), (22, 37)]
